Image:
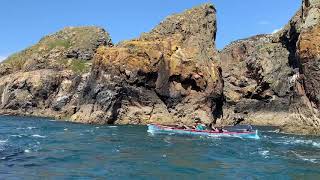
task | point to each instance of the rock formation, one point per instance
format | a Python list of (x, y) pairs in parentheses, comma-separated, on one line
[(274, 79), (44, 78), (172, 74), (166, 76)]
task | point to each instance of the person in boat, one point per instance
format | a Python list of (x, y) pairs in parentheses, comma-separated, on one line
[(199, 126), (180, 125), (211, 127)]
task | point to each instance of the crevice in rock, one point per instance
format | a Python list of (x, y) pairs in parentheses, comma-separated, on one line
[(217, 110), (186, 83), (147, 80), (291, 45)]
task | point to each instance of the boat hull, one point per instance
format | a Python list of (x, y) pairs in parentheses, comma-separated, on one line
[(159, 129)]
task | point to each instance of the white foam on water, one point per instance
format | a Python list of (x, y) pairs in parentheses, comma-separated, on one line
[(293, 141), (27, 150), (16, 135), (3, 141), (264, 153), (313, 160), (164, 155), (38, 136), (65, 129), (97, 127), (29, 128), (307, 142), (316, 144), (112, 126)]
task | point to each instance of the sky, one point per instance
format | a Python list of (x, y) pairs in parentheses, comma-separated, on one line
[(24, 22)]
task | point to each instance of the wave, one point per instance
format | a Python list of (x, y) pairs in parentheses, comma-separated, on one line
[(2, 144), (294, 141), (264, 153), (17, 135), (27, 150), (313, 160), (38, 136), (29, 128)]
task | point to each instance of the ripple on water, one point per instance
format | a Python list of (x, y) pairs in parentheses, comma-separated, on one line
[(2, 144), (28, 128), (294, 141), (264, 153), (304, 158), (38, 136)]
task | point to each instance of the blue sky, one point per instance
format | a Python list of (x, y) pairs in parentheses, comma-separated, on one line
[(24, 22)]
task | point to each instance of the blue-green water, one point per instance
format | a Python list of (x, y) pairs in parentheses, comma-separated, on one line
[(35, 148)]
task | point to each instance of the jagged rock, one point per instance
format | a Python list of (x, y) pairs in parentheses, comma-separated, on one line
[(274, 79), (165, 76), (70, 48), (171, 75), (257, 87)]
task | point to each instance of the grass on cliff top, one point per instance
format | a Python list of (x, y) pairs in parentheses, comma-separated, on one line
[(17, 60), (58, 43)]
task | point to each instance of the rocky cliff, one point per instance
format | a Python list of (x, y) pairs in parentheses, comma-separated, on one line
[(274, 79), (172, 74), (166, 76)]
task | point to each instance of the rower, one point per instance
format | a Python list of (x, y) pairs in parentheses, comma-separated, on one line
[(212, 128), (199, 126)]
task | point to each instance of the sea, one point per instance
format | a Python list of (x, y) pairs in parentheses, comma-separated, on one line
[(42, 148)]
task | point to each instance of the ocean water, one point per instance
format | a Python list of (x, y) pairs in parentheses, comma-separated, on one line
[(39, 148)]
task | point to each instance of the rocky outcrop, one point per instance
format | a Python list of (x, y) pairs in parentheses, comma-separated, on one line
[(71, 48), (172, 74), (166, 76), (48, 78), (273, 79), (257, 81)]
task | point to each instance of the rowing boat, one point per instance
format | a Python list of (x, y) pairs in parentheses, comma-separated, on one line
[(161, 129)]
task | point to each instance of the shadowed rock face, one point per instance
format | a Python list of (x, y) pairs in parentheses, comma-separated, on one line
[(274, 79), (165, 76)]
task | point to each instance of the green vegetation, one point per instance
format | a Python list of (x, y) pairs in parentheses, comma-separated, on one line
[(58, 43), (52, 49), (17, 60), (79, 66)]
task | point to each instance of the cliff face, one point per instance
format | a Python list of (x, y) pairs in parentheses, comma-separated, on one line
[(274, 79), (172, 74), (166, 76), (46, 79)]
